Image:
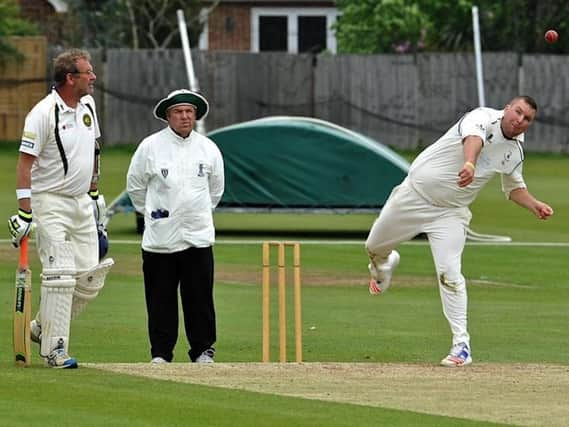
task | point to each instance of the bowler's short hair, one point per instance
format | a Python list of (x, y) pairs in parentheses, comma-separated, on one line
[(527, 99)]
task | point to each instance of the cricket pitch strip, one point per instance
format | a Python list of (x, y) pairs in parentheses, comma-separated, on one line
[(520, 394)]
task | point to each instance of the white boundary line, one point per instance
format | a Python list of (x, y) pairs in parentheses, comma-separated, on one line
[(412, 243), (347, 242)]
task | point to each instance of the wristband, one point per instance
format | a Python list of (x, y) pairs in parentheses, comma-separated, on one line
[(470, 165), (24, 193), (94, 194), (25, 215)]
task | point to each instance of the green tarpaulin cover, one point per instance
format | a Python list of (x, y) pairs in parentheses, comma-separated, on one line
[(305, 163), (299, 163)]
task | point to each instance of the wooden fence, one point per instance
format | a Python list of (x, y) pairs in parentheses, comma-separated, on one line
[(404, 101), (22, 84)]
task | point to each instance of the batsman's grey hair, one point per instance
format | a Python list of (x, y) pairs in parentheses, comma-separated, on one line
[(66, 62)]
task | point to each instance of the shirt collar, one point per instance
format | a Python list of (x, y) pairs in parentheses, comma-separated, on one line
[(518, 138), (63, 107), (178, 137)]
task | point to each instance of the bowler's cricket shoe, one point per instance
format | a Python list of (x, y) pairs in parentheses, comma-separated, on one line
[(35, 331), (58, 358), (381, 277), (459, 355)]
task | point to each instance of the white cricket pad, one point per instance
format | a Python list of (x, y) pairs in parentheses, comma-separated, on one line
[(56, 296), (88, 286), (59, 259)]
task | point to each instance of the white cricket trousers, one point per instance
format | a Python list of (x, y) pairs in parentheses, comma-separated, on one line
[(405, 215), (61, 218)]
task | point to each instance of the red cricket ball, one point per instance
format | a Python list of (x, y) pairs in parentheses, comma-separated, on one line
[(551, 36)]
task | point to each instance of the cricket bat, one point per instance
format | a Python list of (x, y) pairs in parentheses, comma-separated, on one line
[(23, 308)]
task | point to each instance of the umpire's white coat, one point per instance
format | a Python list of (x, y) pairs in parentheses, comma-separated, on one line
[(183, 176)]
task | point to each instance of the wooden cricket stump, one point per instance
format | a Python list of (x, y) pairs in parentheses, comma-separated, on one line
[(266, 290)]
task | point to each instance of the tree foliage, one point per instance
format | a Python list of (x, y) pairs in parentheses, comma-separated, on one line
[(387, 26), (520, 25), (12, 25), (136, 24), (371, 26)]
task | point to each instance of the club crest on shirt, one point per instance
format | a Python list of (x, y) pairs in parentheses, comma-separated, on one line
[(87, 121), (507, 157), (200, 169), (164, 172)]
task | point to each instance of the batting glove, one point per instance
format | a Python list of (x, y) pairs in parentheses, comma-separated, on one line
[(20, 226), (99, 207)]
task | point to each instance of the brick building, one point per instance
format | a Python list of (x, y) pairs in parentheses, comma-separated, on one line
[(293, 26)]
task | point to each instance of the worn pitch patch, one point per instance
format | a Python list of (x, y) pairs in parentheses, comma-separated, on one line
[(522, 394)]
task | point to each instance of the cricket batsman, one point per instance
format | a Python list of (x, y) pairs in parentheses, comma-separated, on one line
[(57, 176)]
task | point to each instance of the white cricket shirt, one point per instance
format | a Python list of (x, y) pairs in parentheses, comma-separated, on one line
[(183, 176), (78, 128), (434, 173)]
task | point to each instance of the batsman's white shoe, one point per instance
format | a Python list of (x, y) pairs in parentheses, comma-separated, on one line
[(206, 356), (58, 358), (381, 277), (35, 331), (458, 356), (158, 360)]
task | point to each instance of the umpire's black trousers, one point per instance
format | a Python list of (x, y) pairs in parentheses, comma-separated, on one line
[(191, 269)]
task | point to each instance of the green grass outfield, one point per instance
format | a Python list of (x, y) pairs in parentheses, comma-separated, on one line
[(518, 296)]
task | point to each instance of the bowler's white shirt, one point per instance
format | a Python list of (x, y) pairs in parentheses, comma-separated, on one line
[(434, 173), (184, 176), (78, 128)]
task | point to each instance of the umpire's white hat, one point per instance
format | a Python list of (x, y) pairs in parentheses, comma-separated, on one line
[(178, 97)]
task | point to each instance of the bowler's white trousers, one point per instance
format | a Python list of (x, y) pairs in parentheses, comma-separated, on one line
[(405, 215)]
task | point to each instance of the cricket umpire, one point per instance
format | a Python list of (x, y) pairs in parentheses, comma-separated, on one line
[(434, 199), (176, 179)]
